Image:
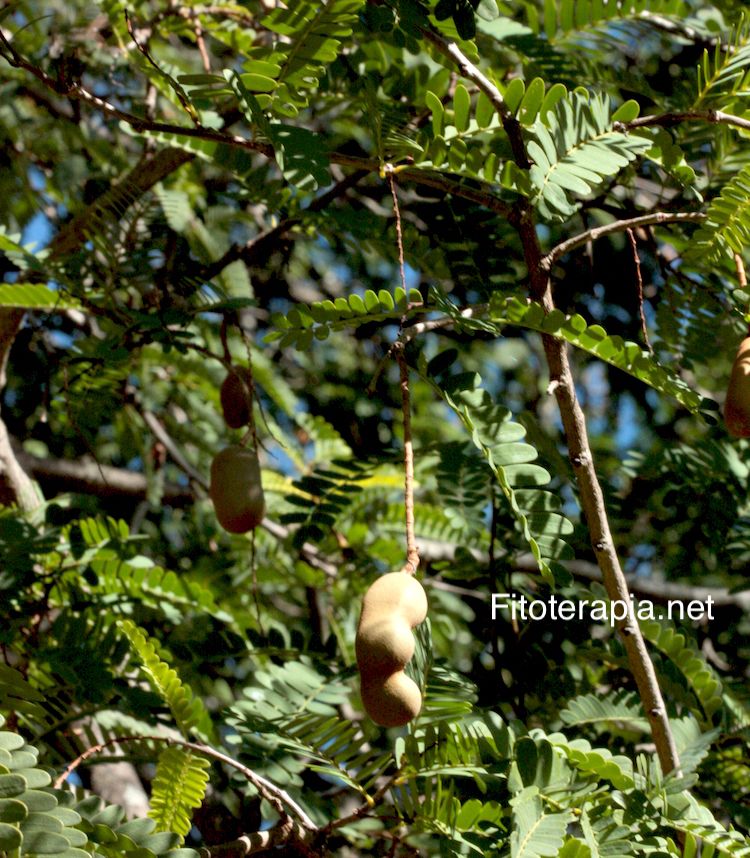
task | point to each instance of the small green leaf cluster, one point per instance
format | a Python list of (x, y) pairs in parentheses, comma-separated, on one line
[(498, 438), (305, 323)]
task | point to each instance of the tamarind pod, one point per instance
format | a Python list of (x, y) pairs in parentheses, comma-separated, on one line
[(393, 605), (737, 402), (393, 701), (236, 489), (394, 593), (384, 646), (234, 396)]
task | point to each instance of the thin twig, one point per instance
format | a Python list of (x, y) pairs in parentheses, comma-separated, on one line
[(399, 233), (367, 808), (186, 105), (274, 795), (140, 124), (155, 425), (577, 241), (639, 288), (201, 42), (574, 424), (667, 120), (512, 127), (416, 330), (412, 553)]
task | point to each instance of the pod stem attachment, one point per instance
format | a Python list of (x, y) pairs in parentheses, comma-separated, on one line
[(412, 554)]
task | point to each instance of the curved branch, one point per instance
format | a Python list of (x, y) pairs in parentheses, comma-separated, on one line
[(274, 795), (667, 120), (576, 241)]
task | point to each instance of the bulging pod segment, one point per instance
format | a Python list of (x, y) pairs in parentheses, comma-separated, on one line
[(384, 645), (391, 702), (737, 403)]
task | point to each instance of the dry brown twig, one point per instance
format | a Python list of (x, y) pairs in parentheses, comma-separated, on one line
[(639, 288)]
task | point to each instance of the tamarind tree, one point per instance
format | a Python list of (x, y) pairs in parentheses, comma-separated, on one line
[(474, 271)]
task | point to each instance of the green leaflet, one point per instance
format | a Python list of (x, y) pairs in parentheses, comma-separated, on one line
[(698, 821), (619, 707), (34, 296), (574, 150), (305, 323), (106, 831), (301, 155), (627, 356), (537, 833), (722, 73), (463, 486), (187, 710), (138, 576), (179, 786), (431, 758), (17, 695), (690, 662), (285, 77), (499, 440), (465, 139), (598, 762), (726, 229), (293, 709), (564, 16), (38, 820), (323, 496)]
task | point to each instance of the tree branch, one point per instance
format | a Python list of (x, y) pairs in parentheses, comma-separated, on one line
[(70, 238), (286, 834), (274, 795), (140, 124), (15, 485), (85, 476), (574, 424), (667, 120), (570, 244)]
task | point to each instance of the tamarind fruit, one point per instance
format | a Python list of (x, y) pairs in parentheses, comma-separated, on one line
[(737, 403), (391, 608), (236, 489), (235, 398)]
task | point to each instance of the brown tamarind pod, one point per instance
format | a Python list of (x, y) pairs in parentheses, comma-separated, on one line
[(235, 397), (391, 608), (393, 701), (737, 403), (385, 646), (236, 489)]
